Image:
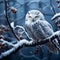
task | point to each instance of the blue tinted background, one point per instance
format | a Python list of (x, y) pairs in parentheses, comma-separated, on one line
[(23, 6)]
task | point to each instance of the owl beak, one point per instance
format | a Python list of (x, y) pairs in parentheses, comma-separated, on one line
[(33, 20)]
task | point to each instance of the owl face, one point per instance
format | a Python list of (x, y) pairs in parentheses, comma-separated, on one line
[(34, 15)]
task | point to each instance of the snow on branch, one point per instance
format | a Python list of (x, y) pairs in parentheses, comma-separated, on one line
[(25, 43), (15, 47), (7, 19), (55, 16)]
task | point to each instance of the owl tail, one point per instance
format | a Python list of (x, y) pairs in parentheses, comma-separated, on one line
[(52, 48)]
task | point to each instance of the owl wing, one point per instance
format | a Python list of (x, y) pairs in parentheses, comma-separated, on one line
[(50, 28), (49, 25), (51, 46), (42, 29)]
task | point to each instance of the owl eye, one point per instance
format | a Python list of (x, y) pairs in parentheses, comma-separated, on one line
[(36, 16), (30, 17), (41, 19)]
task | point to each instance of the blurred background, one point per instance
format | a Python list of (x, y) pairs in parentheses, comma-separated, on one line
[(23, 6)]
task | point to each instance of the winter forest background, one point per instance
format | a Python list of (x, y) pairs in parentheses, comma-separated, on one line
[(23, 6)]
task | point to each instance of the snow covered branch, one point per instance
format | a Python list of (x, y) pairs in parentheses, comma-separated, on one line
[(9, 21), (56, 19), (58, 1), (25, 43)]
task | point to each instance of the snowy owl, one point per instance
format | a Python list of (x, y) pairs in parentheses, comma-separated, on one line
[(39, 29)]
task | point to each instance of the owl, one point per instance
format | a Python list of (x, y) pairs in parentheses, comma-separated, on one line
[(39, 29)]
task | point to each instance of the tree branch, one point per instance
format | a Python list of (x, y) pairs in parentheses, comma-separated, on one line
[(9, 21), (25, 43), (52, 7)]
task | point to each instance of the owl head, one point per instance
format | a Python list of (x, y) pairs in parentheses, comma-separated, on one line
[(34, 15)]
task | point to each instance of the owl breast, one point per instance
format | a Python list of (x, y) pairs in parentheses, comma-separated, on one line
[(41, 30)]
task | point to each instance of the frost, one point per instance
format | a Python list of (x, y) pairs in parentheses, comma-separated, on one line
[(55, 16), (12, 25), (21, 43), (13, 8), (15, 47), (57, 33)]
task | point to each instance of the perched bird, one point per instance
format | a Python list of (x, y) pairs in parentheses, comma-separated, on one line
[(39, 29)]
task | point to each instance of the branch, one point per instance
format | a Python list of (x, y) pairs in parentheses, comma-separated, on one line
[(52, 7), (9, 21), (25, 43)]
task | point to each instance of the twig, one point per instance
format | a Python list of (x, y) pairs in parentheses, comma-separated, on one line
[(25, 43), (52, 7), (9, 21)]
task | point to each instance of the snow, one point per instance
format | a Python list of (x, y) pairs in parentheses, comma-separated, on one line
[(57, 33), (15, 47), (12, 25), (13, 8), (20, 43), (55, 16), (4, 42)]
